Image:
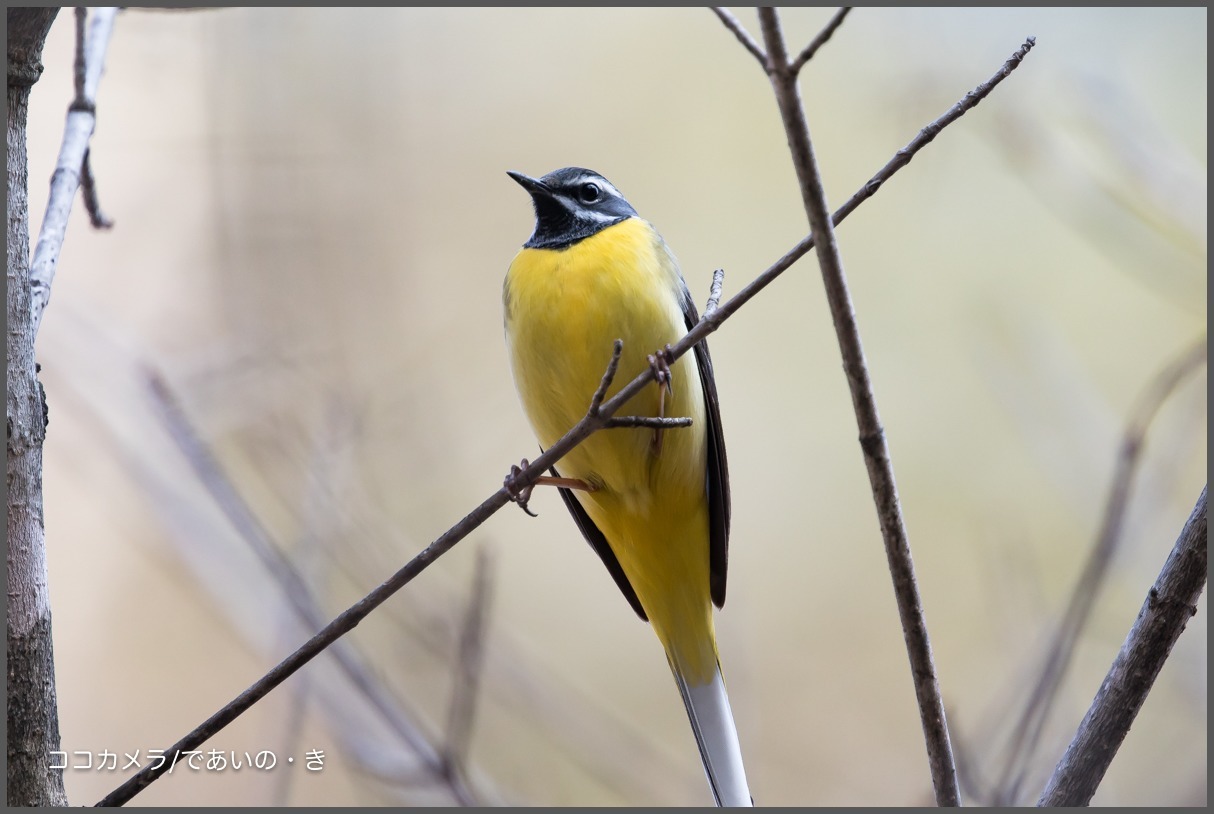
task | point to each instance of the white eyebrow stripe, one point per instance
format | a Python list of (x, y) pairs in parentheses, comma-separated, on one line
[(603, 184)]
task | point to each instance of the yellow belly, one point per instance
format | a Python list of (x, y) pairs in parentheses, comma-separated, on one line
[(564, 309)]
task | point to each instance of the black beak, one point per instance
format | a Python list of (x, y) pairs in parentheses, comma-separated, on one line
[(532, 185)]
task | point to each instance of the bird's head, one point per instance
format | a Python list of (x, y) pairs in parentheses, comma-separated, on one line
[(571, 204)]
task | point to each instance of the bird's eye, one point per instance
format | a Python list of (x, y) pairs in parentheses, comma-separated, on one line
[(589, 193)]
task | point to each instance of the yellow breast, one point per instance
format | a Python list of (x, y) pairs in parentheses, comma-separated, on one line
[(564, 309)]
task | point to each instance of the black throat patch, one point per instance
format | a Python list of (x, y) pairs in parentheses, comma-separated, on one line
[(562, 229)]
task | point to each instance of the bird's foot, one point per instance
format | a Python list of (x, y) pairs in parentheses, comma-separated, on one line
[(522, 494), (659, 362), (519, 494)]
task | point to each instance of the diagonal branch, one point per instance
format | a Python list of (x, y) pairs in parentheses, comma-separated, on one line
[(708, 323), (1169, 605), (70, 167), (714, 316)]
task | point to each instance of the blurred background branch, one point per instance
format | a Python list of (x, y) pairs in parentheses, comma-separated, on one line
[(1169, 606), (469, 663), (395, 713), (1008, 788)]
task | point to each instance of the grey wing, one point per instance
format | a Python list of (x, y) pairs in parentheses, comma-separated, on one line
[(717, 484)]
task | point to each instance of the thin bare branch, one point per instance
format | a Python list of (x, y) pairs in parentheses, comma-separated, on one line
[(820, 40), (872, 436), (735, 25), (927, 134), (645, 421), (608, 375), (79, 65), (714, 293), (350, 618), (870, 188), (1169, 605), (88, 190), (1028, 730), (69, 167)]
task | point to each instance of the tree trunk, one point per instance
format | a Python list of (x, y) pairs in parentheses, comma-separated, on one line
[(33, 716)]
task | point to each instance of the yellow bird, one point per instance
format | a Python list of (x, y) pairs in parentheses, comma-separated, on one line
[(653, 504)]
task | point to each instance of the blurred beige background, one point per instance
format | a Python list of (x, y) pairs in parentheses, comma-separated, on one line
[(313, 221)]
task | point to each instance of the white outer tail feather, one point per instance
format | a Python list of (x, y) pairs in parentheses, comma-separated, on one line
[(717, 736)]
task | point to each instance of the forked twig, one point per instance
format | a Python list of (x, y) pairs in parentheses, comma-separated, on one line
[(628, 421), (88, 183), (71, 166), (817, 42)]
